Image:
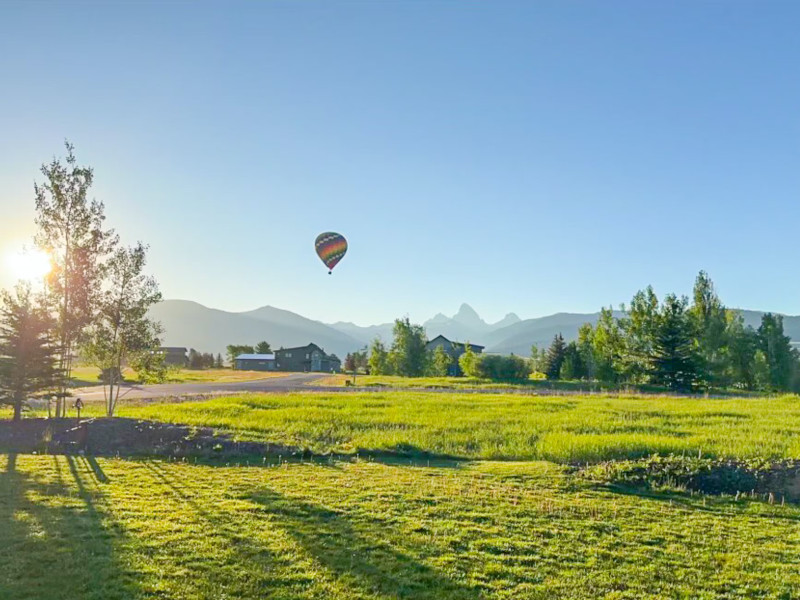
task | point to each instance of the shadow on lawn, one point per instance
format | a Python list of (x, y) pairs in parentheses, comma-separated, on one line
[(356, 551), (55, 544), (708, 503)]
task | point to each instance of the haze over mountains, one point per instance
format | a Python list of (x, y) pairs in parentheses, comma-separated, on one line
[(206, 329)]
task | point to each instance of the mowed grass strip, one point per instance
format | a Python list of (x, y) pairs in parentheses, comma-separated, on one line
[(564, 429), (75, 527)]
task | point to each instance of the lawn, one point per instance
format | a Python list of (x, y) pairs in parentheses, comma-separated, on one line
[(75, 527), (389, 516), (564, 429)]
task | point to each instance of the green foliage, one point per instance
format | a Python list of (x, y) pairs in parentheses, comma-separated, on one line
[(122, 326), (501, 368), (234, 350), (70, 228), (781, 358), (263, 348), (440, 362), (150, 366), (379, 359), (573, 366), (27, 351), (555, 357), (673, 362), (468, 362), (408, 355)]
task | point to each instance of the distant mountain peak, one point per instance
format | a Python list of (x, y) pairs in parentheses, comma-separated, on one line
[(510, 319), (466, 315)]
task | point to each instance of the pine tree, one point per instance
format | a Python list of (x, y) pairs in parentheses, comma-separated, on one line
[(218, 362), (555, 357), (27, 351), (263, 348), (780, 357), (673, 362)]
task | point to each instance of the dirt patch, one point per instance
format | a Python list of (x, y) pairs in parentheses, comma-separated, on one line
[(126, 437), (771, 480)]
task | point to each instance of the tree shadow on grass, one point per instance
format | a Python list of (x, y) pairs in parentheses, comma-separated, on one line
[(357, 553), (707, 503), (55, 544)]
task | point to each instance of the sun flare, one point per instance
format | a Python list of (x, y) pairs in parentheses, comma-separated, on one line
[(29, 265)]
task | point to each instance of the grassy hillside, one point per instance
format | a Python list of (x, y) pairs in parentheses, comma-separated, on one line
[(502, 426)]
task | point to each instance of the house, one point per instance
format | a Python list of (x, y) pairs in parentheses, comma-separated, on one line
[(306, 358), (173, 356), (454, 349), (255, 362)]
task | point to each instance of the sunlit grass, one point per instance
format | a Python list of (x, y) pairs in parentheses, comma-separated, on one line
[(565, 429), (91, 375), (112, 528)]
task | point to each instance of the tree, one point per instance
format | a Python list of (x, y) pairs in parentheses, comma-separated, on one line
[(673, 362), (609, 347), (408, 354), (263, 348), (555, 357), (379, 358), (709, 320), (573, 366), (586, 350), (780, 357), (122, 327), (150, 366), (468, 362), (234, 350), (742, 345), (349, 362), (538, 359), (638, 332), (441, 362), (70, 230), (27, 352), (502, 368), (218, 362)]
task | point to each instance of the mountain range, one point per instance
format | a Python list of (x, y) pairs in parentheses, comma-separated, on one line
[(206, 329)]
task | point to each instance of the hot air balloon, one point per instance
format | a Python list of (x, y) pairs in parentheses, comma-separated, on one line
[(331, 248)]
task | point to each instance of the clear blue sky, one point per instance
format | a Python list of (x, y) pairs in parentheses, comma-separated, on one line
[(520, 156)]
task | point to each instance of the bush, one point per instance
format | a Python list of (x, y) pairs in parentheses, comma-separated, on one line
[(505, 368)]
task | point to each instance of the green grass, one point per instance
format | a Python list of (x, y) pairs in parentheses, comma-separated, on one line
[(565, 429), (114, 528), (85, 376)]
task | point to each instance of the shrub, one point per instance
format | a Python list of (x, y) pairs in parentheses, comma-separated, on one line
[(492, 366)]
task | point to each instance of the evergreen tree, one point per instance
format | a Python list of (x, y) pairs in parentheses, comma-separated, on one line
[(781, 358), (263, 348), (572, 367), (586, 350), (218, 362), (638, 329), (349, 362), (673, 362), (710, 322), (555, 357), (27, 352), (742, 345)]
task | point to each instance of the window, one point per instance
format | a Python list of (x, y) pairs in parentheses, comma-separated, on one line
[(288, 355), (308, 356)]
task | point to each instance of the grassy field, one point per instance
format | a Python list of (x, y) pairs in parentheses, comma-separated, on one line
[(114, 528), (84, 376), (403, 521), (564, 429)]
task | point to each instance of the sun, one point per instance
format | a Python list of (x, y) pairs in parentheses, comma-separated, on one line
[(29, 264)]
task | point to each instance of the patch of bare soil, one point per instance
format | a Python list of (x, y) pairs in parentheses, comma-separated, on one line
[(125, 437)]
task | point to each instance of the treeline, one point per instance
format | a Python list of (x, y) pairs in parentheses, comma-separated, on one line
[(203, 360), (408, 356), (682, 344)]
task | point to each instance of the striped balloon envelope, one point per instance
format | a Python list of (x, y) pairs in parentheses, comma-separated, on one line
[(331, 248)]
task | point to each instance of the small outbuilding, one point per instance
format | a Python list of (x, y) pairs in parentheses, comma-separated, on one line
[(255, 362)]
